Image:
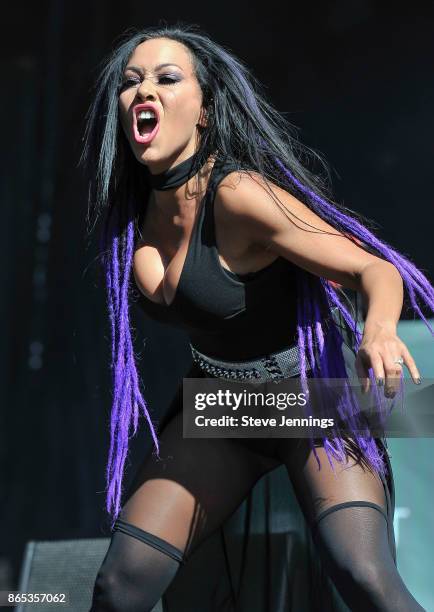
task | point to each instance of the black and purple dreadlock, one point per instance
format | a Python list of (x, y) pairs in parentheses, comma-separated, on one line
[(244, 128)]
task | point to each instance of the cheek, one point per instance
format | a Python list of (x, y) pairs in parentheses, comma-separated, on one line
[(184, 107)]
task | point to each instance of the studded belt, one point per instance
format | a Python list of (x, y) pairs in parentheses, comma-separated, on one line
[(271, 367)]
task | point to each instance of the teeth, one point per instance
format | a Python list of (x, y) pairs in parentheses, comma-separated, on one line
[(146, 114)]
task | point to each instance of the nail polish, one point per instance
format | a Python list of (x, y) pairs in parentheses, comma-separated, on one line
[(380, 382)]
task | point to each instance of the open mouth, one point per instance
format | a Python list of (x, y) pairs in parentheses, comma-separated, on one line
[(146, 125), (146, 122)]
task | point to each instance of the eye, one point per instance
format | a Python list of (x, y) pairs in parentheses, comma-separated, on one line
[(166, 79), (126, 83)]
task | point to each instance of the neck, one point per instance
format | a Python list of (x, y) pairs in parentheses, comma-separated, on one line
[(174, 176), (179, 187)]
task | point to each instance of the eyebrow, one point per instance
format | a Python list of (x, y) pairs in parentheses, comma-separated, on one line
[(140, 71)]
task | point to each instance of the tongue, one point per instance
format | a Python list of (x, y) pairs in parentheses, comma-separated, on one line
[(146, 127)]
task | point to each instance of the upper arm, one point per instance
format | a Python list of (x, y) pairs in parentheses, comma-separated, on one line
[(281, 223)]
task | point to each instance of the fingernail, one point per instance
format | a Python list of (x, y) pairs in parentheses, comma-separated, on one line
[(380, 382), (418, 381)]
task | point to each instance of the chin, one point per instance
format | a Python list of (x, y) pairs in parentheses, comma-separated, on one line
[(151, 155), (148, 155)]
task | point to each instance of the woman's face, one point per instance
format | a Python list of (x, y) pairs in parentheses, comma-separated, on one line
[(160, 104)]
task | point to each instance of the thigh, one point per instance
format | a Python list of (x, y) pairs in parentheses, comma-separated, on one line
[(194, 486), (350, 512), (319, 487)]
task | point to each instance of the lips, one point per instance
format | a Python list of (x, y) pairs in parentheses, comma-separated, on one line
[(147, 133)]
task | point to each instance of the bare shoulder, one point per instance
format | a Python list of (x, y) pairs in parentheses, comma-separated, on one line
[(239, 187), (240, 192), (262, 214), (260, 204)]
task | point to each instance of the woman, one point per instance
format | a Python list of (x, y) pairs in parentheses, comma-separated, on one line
[(186, 154)]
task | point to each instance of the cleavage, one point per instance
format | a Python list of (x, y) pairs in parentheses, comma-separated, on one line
[(160, 271)]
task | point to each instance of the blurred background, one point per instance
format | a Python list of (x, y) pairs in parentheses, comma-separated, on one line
[(354, 75)]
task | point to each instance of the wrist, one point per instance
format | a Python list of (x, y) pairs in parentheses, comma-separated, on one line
[(380, 325)]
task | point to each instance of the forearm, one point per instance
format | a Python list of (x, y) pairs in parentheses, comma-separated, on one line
[(382, 291)]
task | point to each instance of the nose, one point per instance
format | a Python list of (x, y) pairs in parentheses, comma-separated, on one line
[(146, 90)]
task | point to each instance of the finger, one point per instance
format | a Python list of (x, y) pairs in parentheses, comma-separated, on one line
[(411, 365), (363, 374), (378, 368), (393, 373)]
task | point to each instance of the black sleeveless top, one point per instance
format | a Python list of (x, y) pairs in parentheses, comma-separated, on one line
[(227, 315)]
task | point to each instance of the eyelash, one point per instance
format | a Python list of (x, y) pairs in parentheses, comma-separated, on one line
[(131, 82)]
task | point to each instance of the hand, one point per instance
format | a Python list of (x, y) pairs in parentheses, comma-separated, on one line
[(379, 349)]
